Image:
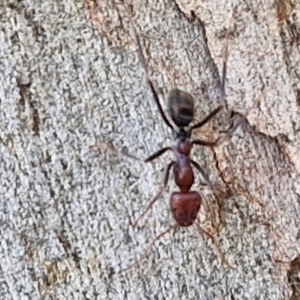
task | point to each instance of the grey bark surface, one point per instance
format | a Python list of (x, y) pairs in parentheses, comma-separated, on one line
[(71, 78)]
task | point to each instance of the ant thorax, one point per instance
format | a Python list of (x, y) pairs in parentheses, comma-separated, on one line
[(181, 134), (183, 145)]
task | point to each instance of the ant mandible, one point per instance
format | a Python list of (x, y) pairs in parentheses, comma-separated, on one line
[(184, 204)]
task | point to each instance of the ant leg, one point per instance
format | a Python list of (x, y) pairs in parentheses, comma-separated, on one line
[(206, 119), (203, 173), (235, 124), (170, 165), (242, 119), (224, 260), (232, 128), (144, 65), (206, 143), (112, 148), (157, 154), (214, 187), (137, 261)]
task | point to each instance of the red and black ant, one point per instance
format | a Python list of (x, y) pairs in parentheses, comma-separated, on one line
[(184, 204)]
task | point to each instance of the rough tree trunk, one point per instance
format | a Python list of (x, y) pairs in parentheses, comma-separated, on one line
[(70, 78)]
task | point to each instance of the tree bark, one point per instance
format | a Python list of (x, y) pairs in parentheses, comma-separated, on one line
[(71, 78)]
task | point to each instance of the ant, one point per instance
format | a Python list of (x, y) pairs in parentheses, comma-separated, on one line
[(186, 203)]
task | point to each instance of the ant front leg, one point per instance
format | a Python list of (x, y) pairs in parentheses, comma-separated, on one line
[(206, 119), (170, 165), (242, 119)]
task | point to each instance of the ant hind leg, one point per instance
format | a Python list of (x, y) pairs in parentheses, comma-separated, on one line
[(146, 251), (224, 260), (167, 173)]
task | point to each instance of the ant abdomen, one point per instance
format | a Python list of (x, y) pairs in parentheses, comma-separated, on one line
[(185, 207), (181, 107)]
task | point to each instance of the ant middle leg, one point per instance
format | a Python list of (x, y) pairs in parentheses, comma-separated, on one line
[(166, 178), (215, 188), (206, 143), (109, 146), (202, 172)]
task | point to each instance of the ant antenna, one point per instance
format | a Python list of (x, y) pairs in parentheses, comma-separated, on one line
[(145, 67)]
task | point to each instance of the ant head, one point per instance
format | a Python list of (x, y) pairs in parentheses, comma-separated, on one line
[(181, 107)]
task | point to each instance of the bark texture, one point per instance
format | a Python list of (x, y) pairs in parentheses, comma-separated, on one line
[(71, 78)]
